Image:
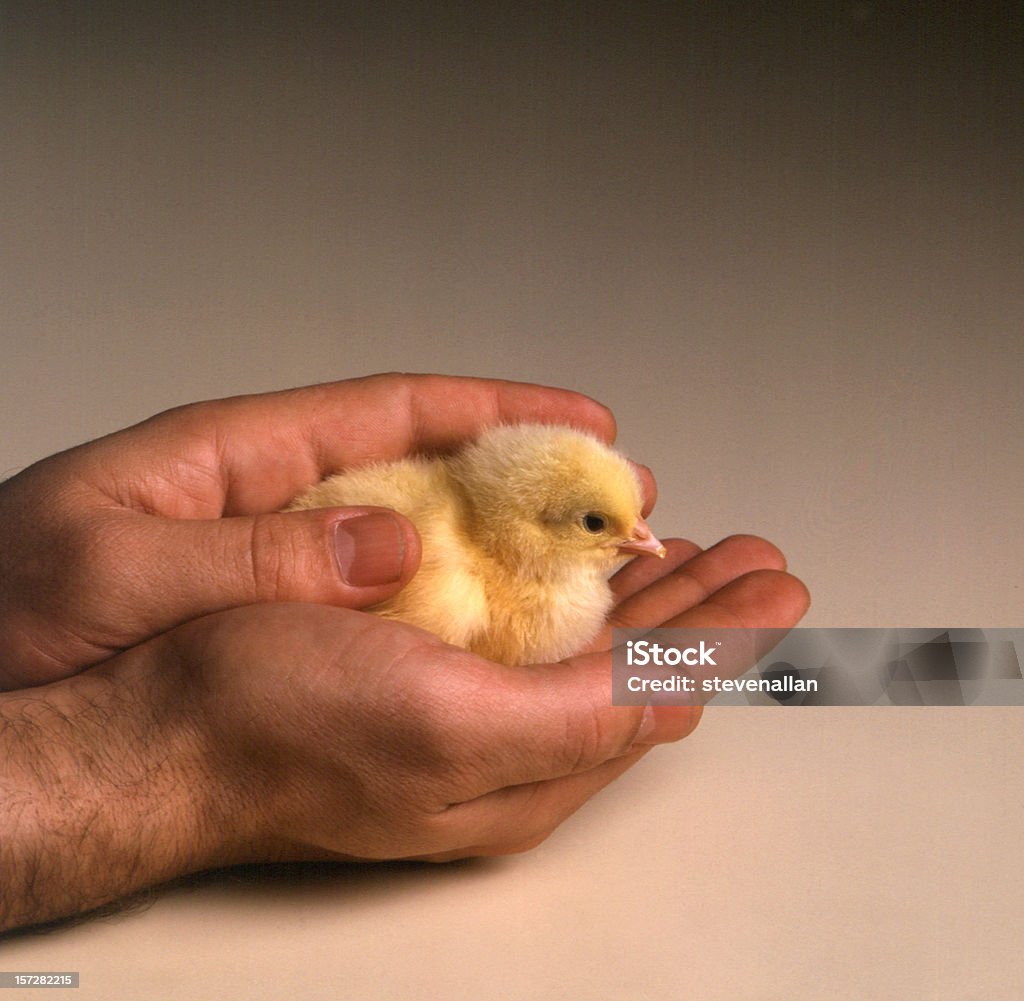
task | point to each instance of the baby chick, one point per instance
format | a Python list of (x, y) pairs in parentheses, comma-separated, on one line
[(520, 531)]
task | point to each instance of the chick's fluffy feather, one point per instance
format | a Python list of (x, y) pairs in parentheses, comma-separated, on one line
[(514, 565)]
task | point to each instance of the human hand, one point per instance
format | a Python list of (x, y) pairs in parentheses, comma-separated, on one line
[(118, 540), (308, 732), (423, 751)]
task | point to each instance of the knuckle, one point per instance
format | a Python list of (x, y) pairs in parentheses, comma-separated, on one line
[(586, 738), (274, 554), (533, 825), (91, 553), (763, 550), (528, 843)]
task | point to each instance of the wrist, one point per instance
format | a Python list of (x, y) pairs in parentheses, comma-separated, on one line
[(103, 791)]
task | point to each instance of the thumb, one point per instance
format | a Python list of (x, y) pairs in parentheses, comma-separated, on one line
[(129, 576), (352, 557)]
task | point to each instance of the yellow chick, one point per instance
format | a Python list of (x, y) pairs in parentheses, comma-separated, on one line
[(520, 531)]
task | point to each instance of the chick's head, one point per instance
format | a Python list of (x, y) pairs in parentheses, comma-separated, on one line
[(545, 500)]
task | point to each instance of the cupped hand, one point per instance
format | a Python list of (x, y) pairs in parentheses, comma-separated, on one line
[(337, 734), (118, 540), (304, 731)]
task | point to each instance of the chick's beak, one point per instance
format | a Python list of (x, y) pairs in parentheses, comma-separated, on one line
[(643, 541)]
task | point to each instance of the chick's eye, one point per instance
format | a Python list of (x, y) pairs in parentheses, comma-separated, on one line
[(594, 523)]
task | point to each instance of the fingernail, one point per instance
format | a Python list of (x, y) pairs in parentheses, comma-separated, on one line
[(648, 724), (370, 549), (669, 725)]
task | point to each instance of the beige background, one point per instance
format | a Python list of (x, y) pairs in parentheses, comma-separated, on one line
[(783, 242)]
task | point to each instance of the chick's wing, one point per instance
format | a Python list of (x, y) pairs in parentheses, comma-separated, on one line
[(447, 596)]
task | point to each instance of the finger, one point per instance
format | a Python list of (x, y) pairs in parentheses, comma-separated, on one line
[(648, 486), (641, 572), (764, 603), (518, 818), (259, 451), (566, 708), (551, 720), (175, 570), (691, 582), (762, 599), (636, 577), (448, 410)]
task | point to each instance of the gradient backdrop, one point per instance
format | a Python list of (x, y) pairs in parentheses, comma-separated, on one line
[(783, 241)]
